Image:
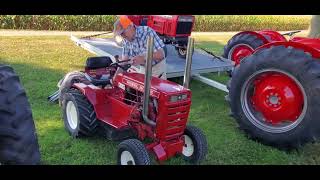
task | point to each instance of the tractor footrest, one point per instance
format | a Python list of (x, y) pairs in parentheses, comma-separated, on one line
[(114, 134)]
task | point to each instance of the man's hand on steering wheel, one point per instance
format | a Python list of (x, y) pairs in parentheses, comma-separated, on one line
[(124, 64), (138, 60)]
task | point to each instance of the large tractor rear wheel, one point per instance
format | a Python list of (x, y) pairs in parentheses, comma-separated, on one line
[(274, 96), (18, 137), (241, 46), (78, 114)]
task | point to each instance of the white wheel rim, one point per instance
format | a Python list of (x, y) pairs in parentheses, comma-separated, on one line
[(126, 158), (188, 147), (72, 115)]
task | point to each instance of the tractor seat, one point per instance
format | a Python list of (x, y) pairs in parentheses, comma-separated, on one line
[(100, 82), (98, 62)]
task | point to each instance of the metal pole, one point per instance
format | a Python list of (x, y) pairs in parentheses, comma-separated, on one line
[(187, 71), (147, 81)]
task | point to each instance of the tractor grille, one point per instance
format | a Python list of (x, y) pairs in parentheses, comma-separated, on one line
[(184, 27), (177, 116)]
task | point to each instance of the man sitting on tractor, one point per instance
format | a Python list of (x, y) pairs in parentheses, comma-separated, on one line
[(135, 46)]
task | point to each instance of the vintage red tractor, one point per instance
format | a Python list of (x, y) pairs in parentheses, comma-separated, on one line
[(244, 43), (275, 87), (134, 107), (172, 29)]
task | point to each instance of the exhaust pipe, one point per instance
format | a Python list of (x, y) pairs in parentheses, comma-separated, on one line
[(187, 71), (147, 81)]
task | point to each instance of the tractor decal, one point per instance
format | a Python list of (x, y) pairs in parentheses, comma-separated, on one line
[(140, 87)]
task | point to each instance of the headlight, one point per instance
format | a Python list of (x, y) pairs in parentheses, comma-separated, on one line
[(185, 19), (179, 97)]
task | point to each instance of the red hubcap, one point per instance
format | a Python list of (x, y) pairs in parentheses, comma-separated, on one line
[(277, 97), (240, 52)]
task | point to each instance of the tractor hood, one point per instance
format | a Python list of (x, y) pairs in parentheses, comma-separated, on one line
[(136, 81)]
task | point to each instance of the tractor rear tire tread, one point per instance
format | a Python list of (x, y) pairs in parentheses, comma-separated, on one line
[(88, 124), (305, 69), (18, 137)]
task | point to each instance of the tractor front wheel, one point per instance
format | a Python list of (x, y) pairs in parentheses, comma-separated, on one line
[(132, 152), (274, 96), (195, 145)]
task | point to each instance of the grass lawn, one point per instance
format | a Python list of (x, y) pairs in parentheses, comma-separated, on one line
[(42, 61)]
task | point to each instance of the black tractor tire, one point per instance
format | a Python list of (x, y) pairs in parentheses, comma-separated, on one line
[(86, 123), (182, 49), (136, 149), (200, 145), (305, 69), (248, 39), (18, 137)]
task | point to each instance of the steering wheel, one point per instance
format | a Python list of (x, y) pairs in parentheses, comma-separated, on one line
[(118, 63)]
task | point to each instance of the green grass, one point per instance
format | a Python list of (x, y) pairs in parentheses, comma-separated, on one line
[(202, 22), (42, 61)]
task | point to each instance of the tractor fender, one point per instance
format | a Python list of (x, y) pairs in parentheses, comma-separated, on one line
[(272, 35), (259, 35), (313, 52), (90, 91), (96, 96)]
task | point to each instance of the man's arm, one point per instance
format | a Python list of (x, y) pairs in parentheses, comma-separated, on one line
[(125, 53), (158, 56), (158, 53)]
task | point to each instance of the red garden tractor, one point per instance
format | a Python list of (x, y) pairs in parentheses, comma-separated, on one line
[(135, 108), (275, 87), (172, 29)]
